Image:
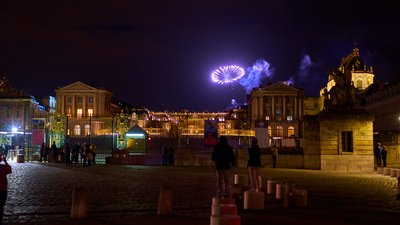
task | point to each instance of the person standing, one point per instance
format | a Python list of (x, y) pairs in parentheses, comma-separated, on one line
[(377, 153), (384, 155), (224, 158), (54, 151), (274, 152), (67, 153), (254, 164), (5, 169), (93, 151)]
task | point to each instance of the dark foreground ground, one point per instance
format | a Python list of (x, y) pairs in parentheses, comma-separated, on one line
[(42, 194)]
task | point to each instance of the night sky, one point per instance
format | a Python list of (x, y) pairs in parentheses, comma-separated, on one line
[(159, 54)]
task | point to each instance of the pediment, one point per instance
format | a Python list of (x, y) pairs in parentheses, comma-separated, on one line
[(78, 86), (279, 87)]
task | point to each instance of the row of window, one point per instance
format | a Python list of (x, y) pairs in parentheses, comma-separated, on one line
[(279, 131), (77, 130), (79, 99), (79, 112)]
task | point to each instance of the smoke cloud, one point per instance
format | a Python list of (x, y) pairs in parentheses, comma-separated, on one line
[(305, 66), (260, 69)]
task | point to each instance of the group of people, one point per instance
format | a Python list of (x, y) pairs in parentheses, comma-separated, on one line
[(224, 158), (86, 151), (168, 155), (380, 153), (4, 148)]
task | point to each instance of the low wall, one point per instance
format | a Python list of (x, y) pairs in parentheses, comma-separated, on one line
[(183, 158)]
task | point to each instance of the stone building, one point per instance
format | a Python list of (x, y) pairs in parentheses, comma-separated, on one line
[(280, 107), (340, 137), (382, 100), (22, 122)]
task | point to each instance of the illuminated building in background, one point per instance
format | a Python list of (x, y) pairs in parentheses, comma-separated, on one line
[(360, 75), (280, 106), (17, 111)]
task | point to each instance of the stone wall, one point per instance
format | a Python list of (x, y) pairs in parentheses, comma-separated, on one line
[(333, 155)]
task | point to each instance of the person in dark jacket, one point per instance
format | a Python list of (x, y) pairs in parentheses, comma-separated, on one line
[(384, 155), (223, 157), (377, 153), (254, 164)]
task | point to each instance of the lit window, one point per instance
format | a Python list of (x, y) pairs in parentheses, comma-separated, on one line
[(289, 118), (266, 117), (90, 112), (77, 130), (269, 131), (79, 112), (87, 129), (290, 131), (279, 131)]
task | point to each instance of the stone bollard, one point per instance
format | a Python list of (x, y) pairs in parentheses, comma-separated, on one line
[(289, 195), (253, 200), (386, 171), (224, 212), (394, 172), (165, 201), (300, 197), (243, 180), (279, 190), (271, 186), (379, 170), (79, 203)]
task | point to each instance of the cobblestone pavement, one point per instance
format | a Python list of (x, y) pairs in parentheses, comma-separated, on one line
[(42, 194)]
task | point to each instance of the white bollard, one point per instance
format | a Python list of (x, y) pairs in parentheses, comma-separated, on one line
[(271, 185), (279, 190), (224, 212)]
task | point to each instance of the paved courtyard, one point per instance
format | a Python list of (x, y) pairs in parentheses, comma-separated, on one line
[(42, 194)]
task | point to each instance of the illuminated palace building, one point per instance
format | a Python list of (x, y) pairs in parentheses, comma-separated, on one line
[(275, 114)]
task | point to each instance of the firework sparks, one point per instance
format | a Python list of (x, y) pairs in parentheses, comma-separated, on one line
[(227, 74)]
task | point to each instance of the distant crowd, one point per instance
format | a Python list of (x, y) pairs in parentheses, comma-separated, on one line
[(84, 154)]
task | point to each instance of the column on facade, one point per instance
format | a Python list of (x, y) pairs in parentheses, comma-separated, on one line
[(84, 112), (273, 107), (284, 108), (296, 110), (95, 107), (62, 103), (260, 108), (254, 108), (73, 112)]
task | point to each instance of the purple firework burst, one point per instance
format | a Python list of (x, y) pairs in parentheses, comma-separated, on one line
[(227, 74)]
